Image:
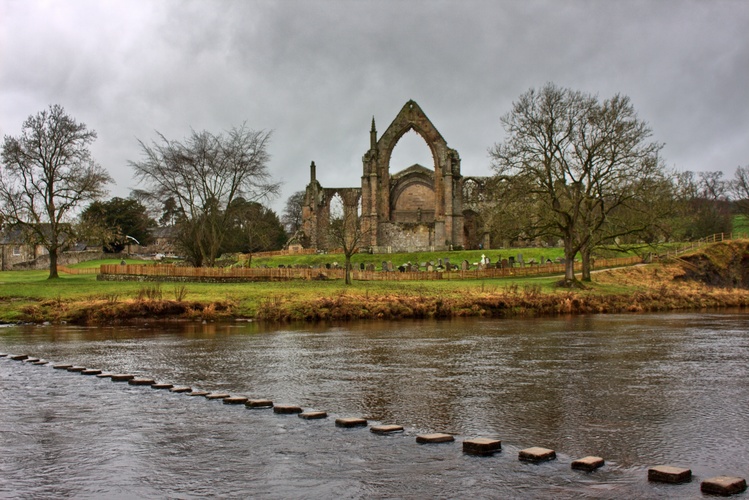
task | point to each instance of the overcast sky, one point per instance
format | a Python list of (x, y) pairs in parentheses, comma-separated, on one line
[(316, 72)]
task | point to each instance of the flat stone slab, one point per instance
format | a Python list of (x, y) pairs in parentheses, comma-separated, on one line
[(536, 454), (351, 422), (19, 357), (61, 366), (435, 437), (216, 395), (386, 429), (76, 369), (141, 381), (40, 362), (313, 415), (235, 400), (161, 386), (31, 360), (122, 377), (723, 485), (3, 354), (669, 474), (197, 393), (481, 446), (91, 371), (105, 375), (287, 409), (588, 464), (259, 403), (180, 389)]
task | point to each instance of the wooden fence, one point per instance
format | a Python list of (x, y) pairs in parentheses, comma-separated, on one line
[(78, 270), (289, 273)]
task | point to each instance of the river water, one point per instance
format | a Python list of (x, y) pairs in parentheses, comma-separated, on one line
[(637, 390)]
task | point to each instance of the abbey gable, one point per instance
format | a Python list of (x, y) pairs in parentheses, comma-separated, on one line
[(416, 209)]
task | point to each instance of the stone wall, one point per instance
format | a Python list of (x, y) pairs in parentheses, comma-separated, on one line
[(65, 259), (405, 237)]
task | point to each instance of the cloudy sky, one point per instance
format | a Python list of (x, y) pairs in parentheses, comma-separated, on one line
[(315, 72)]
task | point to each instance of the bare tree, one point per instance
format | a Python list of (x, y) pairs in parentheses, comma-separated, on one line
[(204, 175), (292, 213), (346, 231), (47, 173), (582, 162), (739, 188)]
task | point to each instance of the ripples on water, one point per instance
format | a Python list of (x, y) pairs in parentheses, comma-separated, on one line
[(637, 390)]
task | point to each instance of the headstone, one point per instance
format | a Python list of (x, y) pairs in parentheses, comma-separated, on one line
[(390, 266), (505, 264), (402, 268), (385, 266), (520, 259), (370, 267), (327, 265), (362, 266), (511, 260), (447, 264), (430, 267), (439, 262), (465, 265)]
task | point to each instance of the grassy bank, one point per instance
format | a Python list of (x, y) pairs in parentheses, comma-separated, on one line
[(28, 296)]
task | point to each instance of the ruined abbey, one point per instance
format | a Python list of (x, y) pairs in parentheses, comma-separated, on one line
[(415, 209)]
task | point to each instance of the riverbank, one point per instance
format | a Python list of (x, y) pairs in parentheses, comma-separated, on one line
[(714, 277)]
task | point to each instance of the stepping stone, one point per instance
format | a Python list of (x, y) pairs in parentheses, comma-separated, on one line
[(313, 415), (235, 400), (536, 454), (216, 395), (122, 377), (259, 403), (588, 463), (669, 474), (481, 446), (180, 389), (3, 354), (76, 369), (436, 437), (91, 371), (31, 360), (19, 357), (287, 409), (161, 386), (141, 381), (351, 422), (61, 367), (105, 375), (386, 429), (197, 393), (723, 485), (40, 362)]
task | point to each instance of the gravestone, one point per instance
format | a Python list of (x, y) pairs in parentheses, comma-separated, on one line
[(362, 266), (390, 266), (370, 267), (439, 261), (520, 260), (384, 266), (511, 260), (447, 264), (465, 265), (505, 264)]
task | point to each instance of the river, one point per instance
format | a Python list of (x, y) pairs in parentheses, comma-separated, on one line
[(637, 390)]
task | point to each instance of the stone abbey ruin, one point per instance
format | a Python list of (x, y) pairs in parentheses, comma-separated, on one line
[(415, 209)]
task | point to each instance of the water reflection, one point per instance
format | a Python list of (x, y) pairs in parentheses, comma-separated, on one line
[(637, 390)]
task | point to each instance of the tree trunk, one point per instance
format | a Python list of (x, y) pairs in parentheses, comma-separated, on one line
[(53, 264), (348, 268), (569, 262), (585, 252)]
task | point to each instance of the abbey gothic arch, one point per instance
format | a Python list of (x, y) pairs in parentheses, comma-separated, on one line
[(415, 209)]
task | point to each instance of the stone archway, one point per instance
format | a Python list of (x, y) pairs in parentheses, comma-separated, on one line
[(381, 191)]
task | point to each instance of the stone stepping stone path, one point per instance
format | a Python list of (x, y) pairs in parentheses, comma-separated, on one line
[(435, 437), (351, 422), (287, 409), (482, 446), (141, 381), (588, 464), (669, 474), (216, 395), (235, 400), (719, 485), (537, 454), (259, 403), (723, 485), (386, 429), (313, 415)]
